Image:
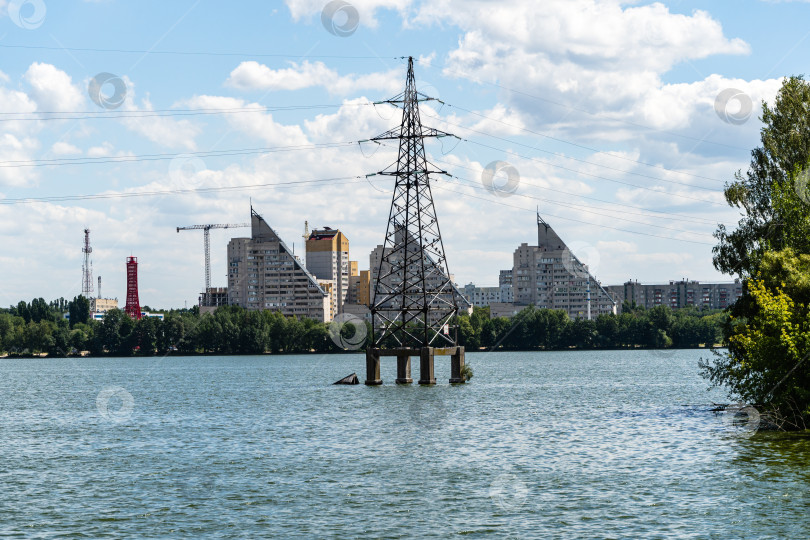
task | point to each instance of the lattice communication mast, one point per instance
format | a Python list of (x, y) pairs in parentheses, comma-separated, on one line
[(414, 298), (133, 306), (87, 267)]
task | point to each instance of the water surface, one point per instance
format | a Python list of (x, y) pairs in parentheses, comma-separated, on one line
[(619, 444)]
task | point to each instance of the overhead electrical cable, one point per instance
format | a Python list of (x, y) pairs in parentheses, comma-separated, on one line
[(183, 191), (490, 200), (93, 115), (557, 154), (591, 149), (463, 75), (556, 165), (194, 53), (585, 209), (160, 157), (658, 214)]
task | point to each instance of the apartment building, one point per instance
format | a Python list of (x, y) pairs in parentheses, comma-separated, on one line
[(263, 273), (677, 294)]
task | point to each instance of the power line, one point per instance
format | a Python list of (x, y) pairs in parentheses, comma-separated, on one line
[(281, 185), (568, 218), (589, 211), (597, 176), (610, 154), (193, 53), (92, 115), (89, 197), (160, 157), (572, 158), (566, 106), (645, 211), (444, 68)]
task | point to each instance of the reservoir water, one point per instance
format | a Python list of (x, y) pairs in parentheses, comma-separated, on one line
[(618, 444)]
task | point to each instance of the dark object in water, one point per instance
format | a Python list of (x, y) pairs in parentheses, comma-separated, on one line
[(349, 379)]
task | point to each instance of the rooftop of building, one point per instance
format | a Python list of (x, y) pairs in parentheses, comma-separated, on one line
[(684, 281), (322, 234)]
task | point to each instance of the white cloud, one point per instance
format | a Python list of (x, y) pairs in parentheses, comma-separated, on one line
[(62, 148), (163, 130), (105, 149), (355, 120), (591, 71), (52, 89), (13, 148), (259, 124), (366, 9), (254, 76)]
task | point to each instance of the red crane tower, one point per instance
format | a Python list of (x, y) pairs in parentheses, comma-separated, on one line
[(133, 307)]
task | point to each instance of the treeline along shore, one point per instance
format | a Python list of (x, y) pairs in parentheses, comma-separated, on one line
[(39, 328)]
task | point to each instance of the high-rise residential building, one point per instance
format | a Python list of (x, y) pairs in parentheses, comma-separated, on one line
[(549, 275), (482, 296), (505, 284), (263, 273), (677, 294), (328, 259), (434, 277), (359, 288)]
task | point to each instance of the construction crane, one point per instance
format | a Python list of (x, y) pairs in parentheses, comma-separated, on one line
[(206, 229)]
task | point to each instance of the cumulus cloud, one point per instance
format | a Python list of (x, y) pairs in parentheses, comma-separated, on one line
[(366, 9), (259, 124), (12, 149), (104, 149), (163, 130), (62, 148), (252, 75), (587, 70), (52, 89)]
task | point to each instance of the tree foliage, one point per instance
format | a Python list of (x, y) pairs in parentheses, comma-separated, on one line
[(769, 340), (767, 333), (774, 170), (235, 330), (548, 329)]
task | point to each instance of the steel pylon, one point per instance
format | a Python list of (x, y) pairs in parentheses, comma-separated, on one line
[(414, 299)]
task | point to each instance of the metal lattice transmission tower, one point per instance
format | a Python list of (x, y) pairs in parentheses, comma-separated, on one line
[(87, 267), (207, 243), (414, 298)]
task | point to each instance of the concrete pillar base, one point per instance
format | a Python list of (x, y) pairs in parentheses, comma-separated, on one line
[(456, 366), (404, 369), (426, 366), (373, 368)]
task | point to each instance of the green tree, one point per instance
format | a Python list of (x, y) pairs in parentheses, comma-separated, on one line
[(145, 335), (785, 137), (79, 310), (769, 343)]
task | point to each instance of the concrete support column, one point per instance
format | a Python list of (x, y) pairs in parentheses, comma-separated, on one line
[(373, 367), (456, 365), (426, 366), (404, 369)]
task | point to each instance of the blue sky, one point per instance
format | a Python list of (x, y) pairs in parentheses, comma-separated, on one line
[(607, 110)]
